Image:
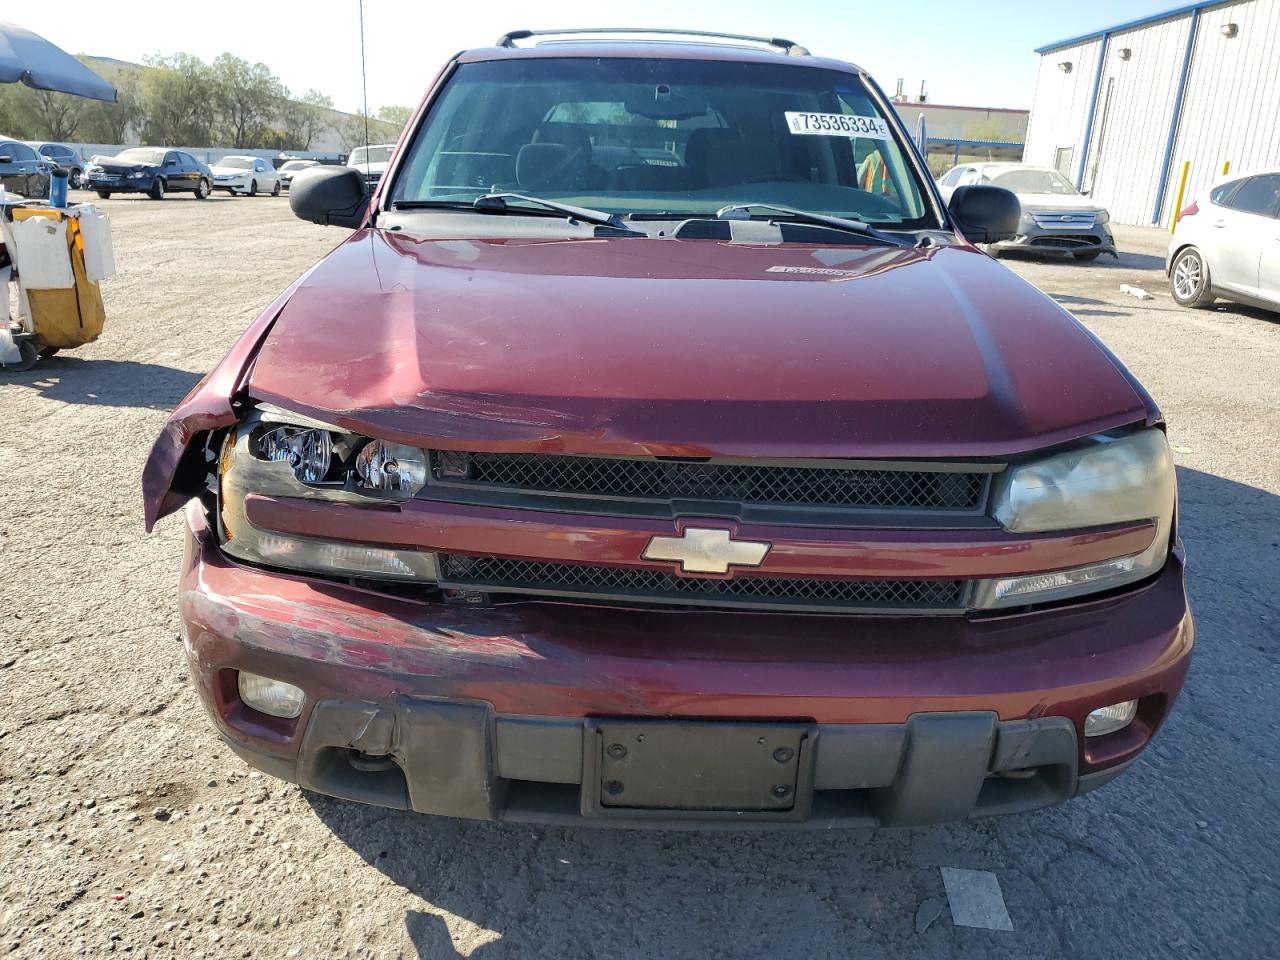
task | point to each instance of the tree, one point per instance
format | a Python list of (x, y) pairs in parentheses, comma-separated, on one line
[(395, 115), (58, 114), (350, 128), (102, 122), (248, 97), (180, 98), (305, 119)]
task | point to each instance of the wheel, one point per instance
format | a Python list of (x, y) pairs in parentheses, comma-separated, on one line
[(28, 355), (48, 351), (253, 188), (1189, 279), (202, 189), (275, 191), (1088, 257), (77, 178), (157, 191), (105, 194)]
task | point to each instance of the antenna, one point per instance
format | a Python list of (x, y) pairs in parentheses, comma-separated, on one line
[(364, 85)]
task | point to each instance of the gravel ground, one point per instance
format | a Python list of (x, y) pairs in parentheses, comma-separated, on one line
[(127, 828)]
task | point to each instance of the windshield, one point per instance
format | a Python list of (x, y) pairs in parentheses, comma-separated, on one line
[(369, 155), (298, 165), (236, 163), (1034, 181), (141, 155), (663, 137)]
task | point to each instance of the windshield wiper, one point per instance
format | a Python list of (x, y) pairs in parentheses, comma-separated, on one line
[(498, 201), (820, 219)]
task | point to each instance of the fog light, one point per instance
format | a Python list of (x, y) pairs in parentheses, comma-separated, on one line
[(1110, 719), (273, 697)]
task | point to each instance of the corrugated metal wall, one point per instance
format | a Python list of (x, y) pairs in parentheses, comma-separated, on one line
[(1131, 123), (1061, 103), (1230, 111), (1232, 106)]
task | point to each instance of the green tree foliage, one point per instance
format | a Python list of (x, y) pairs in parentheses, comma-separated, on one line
[(305, 119), (179, 100), (179, 94), (397, 116), (247, 97)]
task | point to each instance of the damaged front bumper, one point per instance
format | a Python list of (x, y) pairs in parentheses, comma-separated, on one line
[(513, 712)]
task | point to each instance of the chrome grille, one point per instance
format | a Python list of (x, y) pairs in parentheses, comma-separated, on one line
[(1064, 220), (738, 482), (497, 574)]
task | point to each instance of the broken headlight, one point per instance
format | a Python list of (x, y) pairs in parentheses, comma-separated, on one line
[(1106, 481), (278, 454)]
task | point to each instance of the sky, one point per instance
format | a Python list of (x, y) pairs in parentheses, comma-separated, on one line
[(983, 59)]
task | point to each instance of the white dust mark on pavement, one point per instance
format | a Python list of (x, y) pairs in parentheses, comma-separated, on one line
[(975, 898)]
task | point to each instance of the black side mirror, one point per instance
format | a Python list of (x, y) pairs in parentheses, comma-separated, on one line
[(6, 159), (329, 196), (985, 214)]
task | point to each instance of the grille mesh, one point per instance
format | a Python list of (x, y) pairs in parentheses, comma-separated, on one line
[(496, 573), (739, 483)]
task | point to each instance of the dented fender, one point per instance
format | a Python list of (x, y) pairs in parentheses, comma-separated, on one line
[(175, 467)]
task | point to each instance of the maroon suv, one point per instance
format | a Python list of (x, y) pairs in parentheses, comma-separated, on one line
[(660, 450)]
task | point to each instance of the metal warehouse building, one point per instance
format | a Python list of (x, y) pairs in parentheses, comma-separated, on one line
[(1125, 111)]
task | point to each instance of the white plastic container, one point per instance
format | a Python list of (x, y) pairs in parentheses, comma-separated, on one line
[(40, 249), (99, 254)]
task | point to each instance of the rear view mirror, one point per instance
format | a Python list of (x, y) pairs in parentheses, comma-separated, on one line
[(330, 196), (985, 214)]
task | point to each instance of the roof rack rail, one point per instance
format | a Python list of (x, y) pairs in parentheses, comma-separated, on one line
[(788, 47)]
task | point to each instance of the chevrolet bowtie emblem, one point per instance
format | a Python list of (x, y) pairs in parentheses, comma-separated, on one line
[(706, 551)]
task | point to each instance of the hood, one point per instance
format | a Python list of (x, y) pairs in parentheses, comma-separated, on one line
[(1056, 201), (114, 163), (224, 171), (693, 348)]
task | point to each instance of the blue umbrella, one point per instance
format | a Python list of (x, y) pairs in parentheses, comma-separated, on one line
[(35, 61)]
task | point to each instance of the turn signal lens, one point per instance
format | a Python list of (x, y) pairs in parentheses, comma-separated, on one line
[(307, 450), (272, 697), (1110, 719), (392, 467)]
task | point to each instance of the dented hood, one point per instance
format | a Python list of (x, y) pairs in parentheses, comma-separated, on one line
[(696, 348), (663, 347)]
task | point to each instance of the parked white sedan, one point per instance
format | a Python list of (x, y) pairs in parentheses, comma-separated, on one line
[(246, 175), (1227, 244)]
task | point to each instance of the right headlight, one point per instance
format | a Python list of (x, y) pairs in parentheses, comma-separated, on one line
[(1108, 480), (278, 454)]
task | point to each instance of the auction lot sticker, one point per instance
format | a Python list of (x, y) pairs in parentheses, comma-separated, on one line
[(837, 125)]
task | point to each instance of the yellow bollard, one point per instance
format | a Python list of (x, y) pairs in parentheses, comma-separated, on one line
[(1182, 188), (1226, 167)]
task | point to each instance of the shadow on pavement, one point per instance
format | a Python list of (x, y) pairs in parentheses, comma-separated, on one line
[(110, 383), (1182, 843)]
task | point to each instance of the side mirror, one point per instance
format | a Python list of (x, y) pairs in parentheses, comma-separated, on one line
[(329, 196), (985, 214)]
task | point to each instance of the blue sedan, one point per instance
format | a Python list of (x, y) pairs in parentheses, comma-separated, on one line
[(154, 171)]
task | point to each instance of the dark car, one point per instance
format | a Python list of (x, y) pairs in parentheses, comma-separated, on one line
[(62, 155), (154, 171), (23, 171), (660, 449)]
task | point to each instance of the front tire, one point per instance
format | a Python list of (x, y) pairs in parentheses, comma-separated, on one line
[(253, 188), (275, 191), (76, 180), (1189, 279), (202, 189), (104, 194), (157, 190)]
